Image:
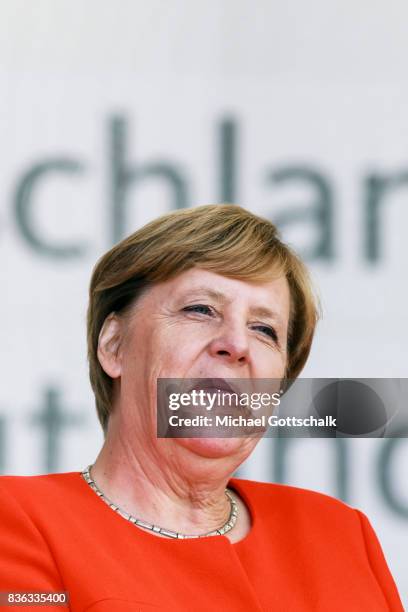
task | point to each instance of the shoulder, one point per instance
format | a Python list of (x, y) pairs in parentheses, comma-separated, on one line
[(332, 535), (307, 517), (21, 484), (286, 493), (26, 560), (36, 491), (292, 501)]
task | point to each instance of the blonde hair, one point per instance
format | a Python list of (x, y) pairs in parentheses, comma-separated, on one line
[(222, 238)]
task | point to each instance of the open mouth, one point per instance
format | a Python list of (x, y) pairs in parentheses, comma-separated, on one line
[(213, 385), (220, 396)]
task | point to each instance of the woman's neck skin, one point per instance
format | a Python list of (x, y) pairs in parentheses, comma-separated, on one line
[(168, 485)]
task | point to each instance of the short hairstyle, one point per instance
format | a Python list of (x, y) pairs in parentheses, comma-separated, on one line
[(222, 238)]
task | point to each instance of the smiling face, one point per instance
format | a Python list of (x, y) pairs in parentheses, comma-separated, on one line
[(197, 325)]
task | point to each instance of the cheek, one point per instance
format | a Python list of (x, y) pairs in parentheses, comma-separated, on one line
[(180, 359), (269, 362), (172, 352)]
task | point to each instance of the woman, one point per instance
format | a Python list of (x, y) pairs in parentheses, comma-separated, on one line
[(159, 523)]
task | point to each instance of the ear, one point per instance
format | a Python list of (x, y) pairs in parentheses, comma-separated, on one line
[(109, 344)]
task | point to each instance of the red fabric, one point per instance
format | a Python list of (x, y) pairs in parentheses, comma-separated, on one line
[(305, 551)]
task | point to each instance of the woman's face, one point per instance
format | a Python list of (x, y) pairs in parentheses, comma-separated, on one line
[(199, 325)]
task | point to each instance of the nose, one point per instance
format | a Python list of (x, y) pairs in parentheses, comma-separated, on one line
[(231, 346)]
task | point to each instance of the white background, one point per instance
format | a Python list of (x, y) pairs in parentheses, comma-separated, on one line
[(318, 84)]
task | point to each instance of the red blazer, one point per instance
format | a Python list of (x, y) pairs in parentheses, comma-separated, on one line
[(305, 552)]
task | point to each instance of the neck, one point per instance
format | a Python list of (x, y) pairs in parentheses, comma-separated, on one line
[(156, 488)]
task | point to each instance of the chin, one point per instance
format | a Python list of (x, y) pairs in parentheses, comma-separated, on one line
[(213, 448)]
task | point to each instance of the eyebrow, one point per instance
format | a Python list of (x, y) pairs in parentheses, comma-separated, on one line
[(212, 293), (259, 311), (264, 312)]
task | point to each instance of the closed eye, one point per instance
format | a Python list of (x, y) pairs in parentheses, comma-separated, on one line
[(268, 331), (199, 308), (208, 310)]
